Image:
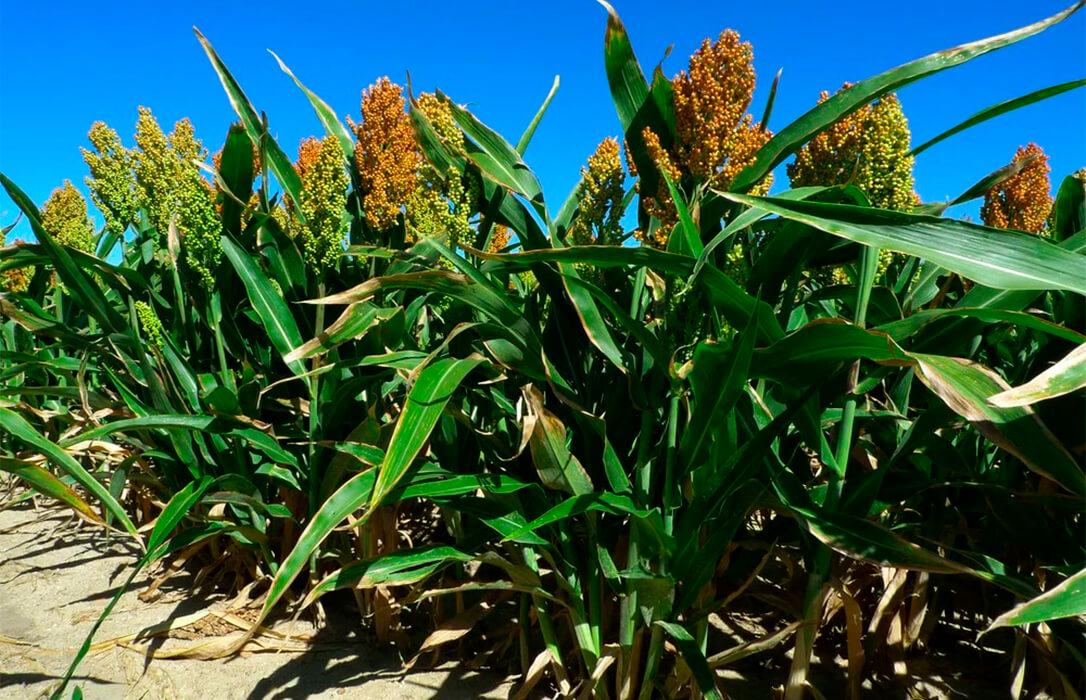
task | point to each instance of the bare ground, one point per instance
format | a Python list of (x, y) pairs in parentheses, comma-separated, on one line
[(56, 578)]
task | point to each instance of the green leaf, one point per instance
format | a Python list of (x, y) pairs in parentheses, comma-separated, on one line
[(1069, 211), (352, 324), (1067, 375), (425, 403), (400, 568), (868, 541), (558, 467), (15, 425), (598, 502), (43, 481), (326, 114), (965, 386), (789, 139), (277, 161), (717, 380), (498, 159), (993, 257), (907, 327), (78, 282), (1001, 108), (1065, 600), (236, 172), (170, 517), (269, 304), (694, 658), (819, 348), (526, 137), (162, 421)]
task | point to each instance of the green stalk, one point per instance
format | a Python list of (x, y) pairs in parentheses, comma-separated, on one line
[(652, 664), (656, 641), (812, 608), (627, 625), (669, 467), (314, 414)]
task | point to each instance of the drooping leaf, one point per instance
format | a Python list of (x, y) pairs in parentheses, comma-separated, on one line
[(789, 139), (993, 257), (998, 109), (1068, 599), (1067, 375)]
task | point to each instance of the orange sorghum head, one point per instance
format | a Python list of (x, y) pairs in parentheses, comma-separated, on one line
[(868, 148), (1022, 201), (710, 101), (387, 154)]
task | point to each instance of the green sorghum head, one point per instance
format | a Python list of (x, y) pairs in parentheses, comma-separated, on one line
[(323, 172), (150, 326), (112, 181), (65, 218)]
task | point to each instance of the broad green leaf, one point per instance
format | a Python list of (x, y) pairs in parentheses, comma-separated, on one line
[(789, 139), (397, 569), (993, 257), (694, 658), (498, 159), (425, 403), (78, 282), (558, 467), (16, 426), (1001, 108), (1069, 211), (637, 103), (1068, 599), (351, 496), (353, 323), (598, 502), (1067, 375), (868, 541), (716, 380), (43, 481), (326, 114), (820, 347), (276, 160), (965, 386), (160, 421), (236, 172), (170, 517), (912, 324), (269, 304)]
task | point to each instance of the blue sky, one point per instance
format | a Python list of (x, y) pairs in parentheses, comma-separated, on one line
[(64, 65)]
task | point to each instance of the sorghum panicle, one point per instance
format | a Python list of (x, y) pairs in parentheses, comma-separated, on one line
[(197, 219), (324, 179), (16, 279), (868, 148), (150, 324), (387, 154), (156, 171), (1023, 201), (599, 197), (710, 101), (65, 218), (112, 182)]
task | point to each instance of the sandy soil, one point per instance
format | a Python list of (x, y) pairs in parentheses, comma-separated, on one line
[(56, 578)]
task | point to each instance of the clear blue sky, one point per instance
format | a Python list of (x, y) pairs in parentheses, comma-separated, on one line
[(64, 65)]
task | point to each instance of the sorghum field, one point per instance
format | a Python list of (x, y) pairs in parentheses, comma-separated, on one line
[(388, 378)]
